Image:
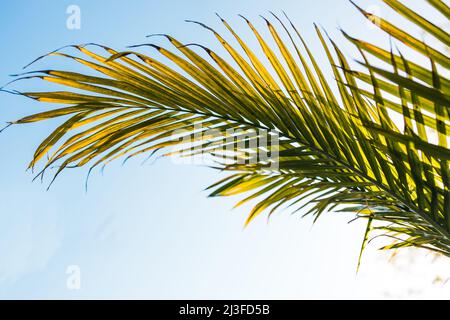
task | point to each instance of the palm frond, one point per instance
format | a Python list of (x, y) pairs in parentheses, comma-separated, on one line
[(337, 148)]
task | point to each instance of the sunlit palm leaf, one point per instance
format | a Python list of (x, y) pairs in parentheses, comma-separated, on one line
[(336, 152)]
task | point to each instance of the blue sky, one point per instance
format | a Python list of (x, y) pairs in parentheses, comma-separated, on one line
[(149, 231)]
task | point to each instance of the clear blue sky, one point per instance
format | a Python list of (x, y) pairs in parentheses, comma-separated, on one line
[(149, 231)]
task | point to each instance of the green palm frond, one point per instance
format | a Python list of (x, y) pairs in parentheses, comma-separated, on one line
[(338, 146)]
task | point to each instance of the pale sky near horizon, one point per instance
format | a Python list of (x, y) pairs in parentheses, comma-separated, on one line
[(149, 231)]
